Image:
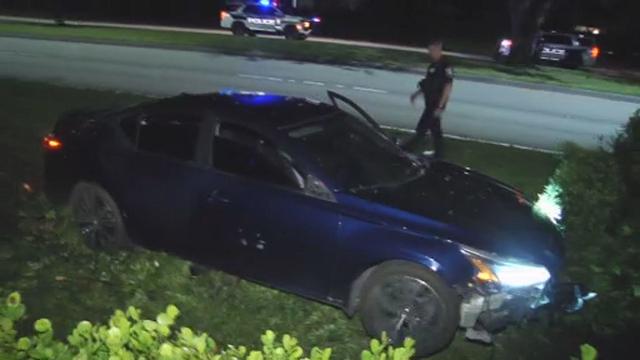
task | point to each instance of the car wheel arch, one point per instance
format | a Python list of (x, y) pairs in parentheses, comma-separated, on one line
[(358, 285)]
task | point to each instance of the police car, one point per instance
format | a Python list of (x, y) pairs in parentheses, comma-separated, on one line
[(571, 50), (263, 17)]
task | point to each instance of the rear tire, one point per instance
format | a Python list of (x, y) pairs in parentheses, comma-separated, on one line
[(408, 300), (98, 217), (239, 29)]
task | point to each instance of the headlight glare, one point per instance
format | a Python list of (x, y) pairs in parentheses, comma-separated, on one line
[(492, 269)]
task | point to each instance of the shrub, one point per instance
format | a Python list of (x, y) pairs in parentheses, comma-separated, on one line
[(590, 191), (627, 151), (597, 190), (128, 336)]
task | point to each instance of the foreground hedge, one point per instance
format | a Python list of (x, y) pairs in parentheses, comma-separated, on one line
[(599, 193), (128, 336)]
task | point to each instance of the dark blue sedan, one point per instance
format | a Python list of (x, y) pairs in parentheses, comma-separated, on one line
[(313, 199)]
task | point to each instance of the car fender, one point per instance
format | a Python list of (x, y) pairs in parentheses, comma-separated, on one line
[(368, 244)]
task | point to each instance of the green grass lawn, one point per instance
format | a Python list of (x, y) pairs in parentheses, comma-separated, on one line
[(66, 283), (325, 53)]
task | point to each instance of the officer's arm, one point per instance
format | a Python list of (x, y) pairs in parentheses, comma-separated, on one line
[(448, 87), (446, 93), (418, 91), (415, 95)]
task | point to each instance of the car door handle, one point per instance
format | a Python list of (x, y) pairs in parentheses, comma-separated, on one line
[(214, 196)]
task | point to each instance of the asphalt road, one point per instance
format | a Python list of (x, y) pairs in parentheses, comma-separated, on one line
[(326, 40), (498, 113)]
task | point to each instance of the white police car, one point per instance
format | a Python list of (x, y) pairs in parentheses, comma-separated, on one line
[(263, 17)]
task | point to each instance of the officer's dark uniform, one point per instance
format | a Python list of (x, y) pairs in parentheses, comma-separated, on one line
[(439, 74)]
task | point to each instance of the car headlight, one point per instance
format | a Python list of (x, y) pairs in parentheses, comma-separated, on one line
[(508, 273)]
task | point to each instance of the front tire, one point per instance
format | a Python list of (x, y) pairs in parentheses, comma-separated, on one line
[(98, 217), (407, 300), (290, 33)]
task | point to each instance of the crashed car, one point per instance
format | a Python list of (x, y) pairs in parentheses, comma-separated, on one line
[(265, 18), (571, 50), (314, 199)]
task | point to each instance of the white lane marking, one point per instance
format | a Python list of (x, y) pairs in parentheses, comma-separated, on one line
[(314, 83), (340, 86), (377, 91), (260, 77), (249, 76), (466, 138), (291, 81)]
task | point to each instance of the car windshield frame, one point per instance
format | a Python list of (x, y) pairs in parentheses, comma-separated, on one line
[(298, 134)]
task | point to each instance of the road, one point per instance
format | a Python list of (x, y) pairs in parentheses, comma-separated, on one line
[(326, 40), (497, 113)]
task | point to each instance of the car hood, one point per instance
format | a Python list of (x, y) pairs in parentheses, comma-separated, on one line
[(488, 215)]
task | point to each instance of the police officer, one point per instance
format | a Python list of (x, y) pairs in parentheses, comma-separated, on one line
[(436, 89)]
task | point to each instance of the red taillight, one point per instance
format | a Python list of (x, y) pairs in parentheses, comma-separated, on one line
[(595, 52), (50, 142), (223, 15)]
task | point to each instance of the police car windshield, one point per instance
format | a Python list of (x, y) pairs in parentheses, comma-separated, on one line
[(354, 154)]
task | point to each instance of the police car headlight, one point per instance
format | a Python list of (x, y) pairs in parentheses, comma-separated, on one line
[(495, 271)]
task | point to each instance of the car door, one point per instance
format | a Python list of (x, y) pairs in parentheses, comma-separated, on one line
[(164, 175), (261, 18), (286, 238), (349, 106)]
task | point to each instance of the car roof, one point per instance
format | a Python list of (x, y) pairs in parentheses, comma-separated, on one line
[(257, 109)]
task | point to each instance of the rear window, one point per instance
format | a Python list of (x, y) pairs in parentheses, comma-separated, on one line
[(557, 39), (175, 137)]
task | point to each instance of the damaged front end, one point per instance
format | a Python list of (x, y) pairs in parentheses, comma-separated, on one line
[(508, 291)]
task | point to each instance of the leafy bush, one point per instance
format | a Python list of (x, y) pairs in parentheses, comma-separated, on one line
[(590, 191), (597, 189), (627, 151), (128, 336)]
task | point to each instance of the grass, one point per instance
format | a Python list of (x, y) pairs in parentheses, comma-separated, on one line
[(326, 53), (66, 283)]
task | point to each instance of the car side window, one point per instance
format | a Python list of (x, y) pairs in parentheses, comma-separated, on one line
[(269, 11), (251, 9), (240, 151), (174, 136)]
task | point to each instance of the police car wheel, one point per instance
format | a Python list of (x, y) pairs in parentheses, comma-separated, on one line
[(238, 29), (290, 33)]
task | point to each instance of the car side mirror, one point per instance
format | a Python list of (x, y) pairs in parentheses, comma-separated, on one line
[(316, 188)]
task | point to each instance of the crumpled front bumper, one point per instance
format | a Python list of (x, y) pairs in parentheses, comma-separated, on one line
[(483, 313)]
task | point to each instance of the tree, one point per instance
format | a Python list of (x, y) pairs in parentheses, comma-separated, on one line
[(527, 16)]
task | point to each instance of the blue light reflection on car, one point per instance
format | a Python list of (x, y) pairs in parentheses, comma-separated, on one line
[(257, 98)]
